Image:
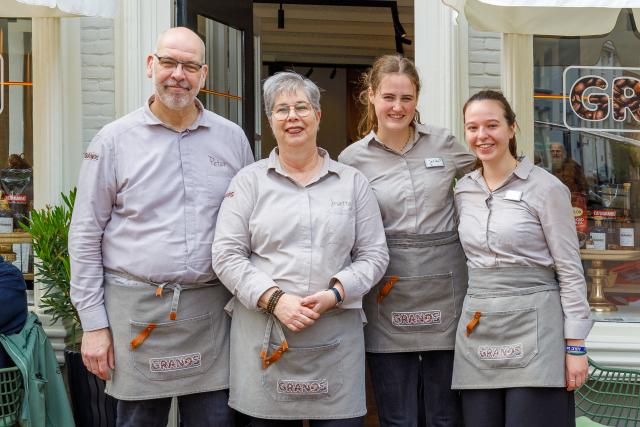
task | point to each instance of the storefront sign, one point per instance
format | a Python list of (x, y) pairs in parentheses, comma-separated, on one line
[(602, 98)]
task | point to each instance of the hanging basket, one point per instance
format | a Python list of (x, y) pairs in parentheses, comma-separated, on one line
[(610, 396)]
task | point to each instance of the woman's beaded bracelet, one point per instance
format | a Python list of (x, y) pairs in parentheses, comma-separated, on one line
[(273, 300)]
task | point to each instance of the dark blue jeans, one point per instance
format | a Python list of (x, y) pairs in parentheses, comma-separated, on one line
[(208, 409), (348, 422), (411, 386)]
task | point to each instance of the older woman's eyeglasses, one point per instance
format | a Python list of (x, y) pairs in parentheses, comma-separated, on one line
[(169, 63), (302, 109)]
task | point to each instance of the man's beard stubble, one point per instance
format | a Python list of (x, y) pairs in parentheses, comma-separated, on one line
[(176, 101)]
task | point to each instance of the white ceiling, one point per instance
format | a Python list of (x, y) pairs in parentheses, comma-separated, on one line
[(330, 34)]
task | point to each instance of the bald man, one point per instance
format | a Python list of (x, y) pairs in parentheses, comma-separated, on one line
[(150, 187)]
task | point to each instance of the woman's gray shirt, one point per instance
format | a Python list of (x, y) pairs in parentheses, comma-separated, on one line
[(527, 221)]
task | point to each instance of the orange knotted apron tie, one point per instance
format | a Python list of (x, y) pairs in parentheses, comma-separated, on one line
[(139, 339), (386, 288), (473, 323), (173, 314), (277, 354)]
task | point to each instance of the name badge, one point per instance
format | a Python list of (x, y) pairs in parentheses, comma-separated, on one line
[(434, 162), (514, 195)]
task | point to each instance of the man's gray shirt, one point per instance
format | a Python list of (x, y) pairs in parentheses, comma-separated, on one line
[(147, 203)]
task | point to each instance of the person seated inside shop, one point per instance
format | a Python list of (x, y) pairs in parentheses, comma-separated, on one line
[(13, 300), (567, 170)]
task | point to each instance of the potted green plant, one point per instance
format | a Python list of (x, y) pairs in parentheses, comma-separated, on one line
[(49, 229)]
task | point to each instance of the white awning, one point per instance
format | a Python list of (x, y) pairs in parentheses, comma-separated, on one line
[(57, 8), (544, 17)]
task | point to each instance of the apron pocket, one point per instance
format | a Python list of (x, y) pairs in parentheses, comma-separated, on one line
[(501, 339), (417, 304), (305, 373), (170, 351)]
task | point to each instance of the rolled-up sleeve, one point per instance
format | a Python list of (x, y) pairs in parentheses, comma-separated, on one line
[(231, 247), (370, 254), (557, 220), (92, 211)]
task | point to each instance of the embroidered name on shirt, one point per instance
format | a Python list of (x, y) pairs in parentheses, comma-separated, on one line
[(434, 162), (416, 318), (310, 387), (175, 363), (90, 156), (340, 203), (216, 163), (229, 194), (500, 352)]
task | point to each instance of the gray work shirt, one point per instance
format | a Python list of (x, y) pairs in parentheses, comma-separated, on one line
[(147, 203), (273, 232), (413, 188), (527, 221)]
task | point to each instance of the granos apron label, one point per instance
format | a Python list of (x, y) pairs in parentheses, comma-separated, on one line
[(175, 363), (416, 318), (306, 388)]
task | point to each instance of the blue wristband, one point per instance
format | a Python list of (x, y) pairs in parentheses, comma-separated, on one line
[(337, 295), (576, 348)]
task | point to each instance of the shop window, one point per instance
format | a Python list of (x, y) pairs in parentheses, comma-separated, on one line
[(587, 133), (16, 141)]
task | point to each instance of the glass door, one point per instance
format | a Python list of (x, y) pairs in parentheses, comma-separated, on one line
[(227, 30)]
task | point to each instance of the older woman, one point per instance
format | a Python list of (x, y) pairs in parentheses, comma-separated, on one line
[(299, 241)]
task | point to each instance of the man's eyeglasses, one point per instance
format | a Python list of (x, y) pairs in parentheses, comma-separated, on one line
[(302, 109), (171, 64)]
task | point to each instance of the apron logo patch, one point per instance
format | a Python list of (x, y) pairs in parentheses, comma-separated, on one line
[(303, 387), (175, 363), (500, 352), (416, 318)]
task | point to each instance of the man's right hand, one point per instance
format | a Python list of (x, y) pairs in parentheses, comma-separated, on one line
[(97, 352), (293, 314)]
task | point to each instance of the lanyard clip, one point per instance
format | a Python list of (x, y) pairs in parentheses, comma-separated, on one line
[(473, 322), (143, 335)]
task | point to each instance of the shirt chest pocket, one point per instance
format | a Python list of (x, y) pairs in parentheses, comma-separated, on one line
[(436, 183), (216, 186), (340, 225)]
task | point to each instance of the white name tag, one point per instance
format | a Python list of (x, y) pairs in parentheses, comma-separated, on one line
[(514, 195), (434, 162)]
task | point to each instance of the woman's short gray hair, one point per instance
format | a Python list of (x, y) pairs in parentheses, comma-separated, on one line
[(288, 82)]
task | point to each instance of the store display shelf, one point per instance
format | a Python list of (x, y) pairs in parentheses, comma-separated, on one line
[(609, 255), (626, 288)]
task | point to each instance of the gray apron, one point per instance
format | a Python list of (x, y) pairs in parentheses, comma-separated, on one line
[(416, 305), (169, 339), (517, 338), (319, 376)]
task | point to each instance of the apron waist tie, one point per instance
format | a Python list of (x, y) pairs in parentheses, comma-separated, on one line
[(264, 351)]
